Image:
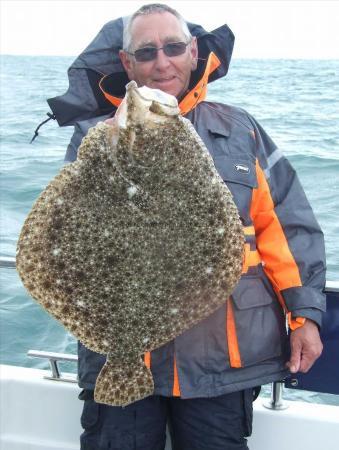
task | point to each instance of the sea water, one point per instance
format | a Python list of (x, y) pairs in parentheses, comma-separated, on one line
[(296, 101)]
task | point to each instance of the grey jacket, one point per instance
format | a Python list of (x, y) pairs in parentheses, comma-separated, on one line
[(245, 342)]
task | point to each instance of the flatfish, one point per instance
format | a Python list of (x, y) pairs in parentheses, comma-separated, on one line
[(135, 242)]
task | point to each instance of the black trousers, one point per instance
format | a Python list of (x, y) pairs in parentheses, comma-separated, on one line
[(218, 423)]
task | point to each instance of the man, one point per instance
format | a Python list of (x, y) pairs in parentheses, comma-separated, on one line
[(204, 379)]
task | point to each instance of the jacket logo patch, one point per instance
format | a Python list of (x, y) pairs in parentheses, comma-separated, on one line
[(242, 168)]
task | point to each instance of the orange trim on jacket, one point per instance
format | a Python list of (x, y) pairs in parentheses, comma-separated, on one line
[(176, 385), (279, 263), (199, 92), (248, 231), (147, 359), (114, 100), (232, 338), (295, 322), (191, 100)]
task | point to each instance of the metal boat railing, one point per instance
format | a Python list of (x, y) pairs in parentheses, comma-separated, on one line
[(53, 359), (7, 262)]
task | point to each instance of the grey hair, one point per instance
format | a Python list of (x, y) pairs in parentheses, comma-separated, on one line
[(145, 10)]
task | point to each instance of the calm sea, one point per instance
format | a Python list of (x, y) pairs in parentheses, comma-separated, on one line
[(296, 101)]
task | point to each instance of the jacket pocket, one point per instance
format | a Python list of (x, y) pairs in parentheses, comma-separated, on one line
[(236, 170), (240, 178), (255, 323)]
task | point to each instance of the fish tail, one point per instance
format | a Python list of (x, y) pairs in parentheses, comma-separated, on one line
[(121, 384)]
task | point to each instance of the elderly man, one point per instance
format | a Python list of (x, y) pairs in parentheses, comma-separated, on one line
[(204, 378)]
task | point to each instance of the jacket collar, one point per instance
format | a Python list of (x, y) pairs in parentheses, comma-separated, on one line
[(195, 95), (99, 65)]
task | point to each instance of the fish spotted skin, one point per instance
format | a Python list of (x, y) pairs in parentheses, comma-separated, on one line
[(132, 244)]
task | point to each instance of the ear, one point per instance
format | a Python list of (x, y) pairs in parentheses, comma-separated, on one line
[(127, 63), (194, 53)]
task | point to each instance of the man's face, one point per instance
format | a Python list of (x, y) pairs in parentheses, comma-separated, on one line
[(170, 74)]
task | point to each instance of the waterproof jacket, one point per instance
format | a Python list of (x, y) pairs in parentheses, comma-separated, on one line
[(244, 343)]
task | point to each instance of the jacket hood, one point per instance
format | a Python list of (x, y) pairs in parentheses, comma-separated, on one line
[(97, 74)]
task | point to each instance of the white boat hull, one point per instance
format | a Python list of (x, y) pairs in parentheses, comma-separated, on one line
[(40, 414)]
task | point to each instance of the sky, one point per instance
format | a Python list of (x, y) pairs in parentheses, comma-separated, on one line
[(263, 29)]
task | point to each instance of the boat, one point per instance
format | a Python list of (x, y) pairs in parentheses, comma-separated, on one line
[(40, 410)]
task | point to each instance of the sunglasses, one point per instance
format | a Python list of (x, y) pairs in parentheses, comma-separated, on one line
[(150, 53)]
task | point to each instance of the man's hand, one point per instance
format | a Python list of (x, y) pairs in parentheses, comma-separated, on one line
[(109, 121), (306, 347)]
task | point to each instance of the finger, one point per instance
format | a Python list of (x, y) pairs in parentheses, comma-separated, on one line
[(308, 358), (295, 359), (306, 363)]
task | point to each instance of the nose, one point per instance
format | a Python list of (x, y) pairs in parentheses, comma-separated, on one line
[(162, 61)]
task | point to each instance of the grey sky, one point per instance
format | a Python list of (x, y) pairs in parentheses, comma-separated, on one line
[(263, 29)]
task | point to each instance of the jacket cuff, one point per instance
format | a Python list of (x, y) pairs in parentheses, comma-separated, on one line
[(298, 316), (304, 297)]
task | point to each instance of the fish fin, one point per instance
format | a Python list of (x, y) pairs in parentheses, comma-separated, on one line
[(121, 384)]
